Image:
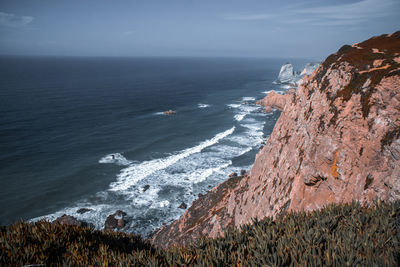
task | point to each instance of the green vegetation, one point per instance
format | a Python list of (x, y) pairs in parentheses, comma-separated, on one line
[(338, 235)]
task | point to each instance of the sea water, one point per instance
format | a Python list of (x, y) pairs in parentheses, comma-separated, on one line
[(91, 133)]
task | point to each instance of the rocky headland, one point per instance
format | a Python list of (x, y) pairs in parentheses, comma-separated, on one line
[(337, 140)]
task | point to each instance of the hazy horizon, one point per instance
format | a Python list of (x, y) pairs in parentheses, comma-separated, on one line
[(294, 29)]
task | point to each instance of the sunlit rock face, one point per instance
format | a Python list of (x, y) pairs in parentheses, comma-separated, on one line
[(337, 140)]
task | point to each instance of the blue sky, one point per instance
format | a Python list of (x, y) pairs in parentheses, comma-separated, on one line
[(238, 28)]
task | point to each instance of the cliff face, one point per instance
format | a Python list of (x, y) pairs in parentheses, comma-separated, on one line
[(337, 140)]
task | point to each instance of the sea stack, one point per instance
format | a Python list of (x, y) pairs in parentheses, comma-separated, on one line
[(337, 140)]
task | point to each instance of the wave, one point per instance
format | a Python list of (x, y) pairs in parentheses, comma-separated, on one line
[(281, 92), (234, 105), (200, 105), (129, 176), (240, 117), (201, 176), (115, 158), (248, 98)]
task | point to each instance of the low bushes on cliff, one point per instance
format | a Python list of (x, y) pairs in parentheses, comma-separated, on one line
[(335, 236)]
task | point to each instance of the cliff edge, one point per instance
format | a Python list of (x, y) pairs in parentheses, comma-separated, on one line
[(337, 140)]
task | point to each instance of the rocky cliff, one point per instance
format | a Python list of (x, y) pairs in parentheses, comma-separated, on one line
[(337, 140)]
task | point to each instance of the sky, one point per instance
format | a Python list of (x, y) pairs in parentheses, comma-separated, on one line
[(191, 28)]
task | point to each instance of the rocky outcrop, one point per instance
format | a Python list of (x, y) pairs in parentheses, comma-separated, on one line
[(276, 101), (337, 140), (115, 221), (309, 68), (286, 74), (70, 220)]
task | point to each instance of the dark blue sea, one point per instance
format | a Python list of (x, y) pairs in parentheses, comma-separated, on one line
[(91, 133)]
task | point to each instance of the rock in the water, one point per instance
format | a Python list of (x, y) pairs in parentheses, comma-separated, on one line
[(169, 112), (286, 74), (183, 205), (83, 210), (242, 172), (70, 220), (233, 174), (115, 221), (146, 187)]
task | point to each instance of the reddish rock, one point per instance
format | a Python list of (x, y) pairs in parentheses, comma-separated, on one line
[(169, 112), (70, 220), (274, 100), (115, 221), (337, 140)]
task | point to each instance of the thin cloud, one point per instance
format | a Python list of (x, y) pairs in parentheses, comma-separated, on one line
[(248, 16), (14, 21), (129, 32), (332, 15)]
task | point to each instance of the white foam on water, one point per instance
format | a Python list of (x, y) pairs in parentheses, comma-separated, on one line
[(240, 116), (200, 105), (281, 92), (159, 113), (163, 203), (202, 175), (234, 105), (133, 174), (248, 98), (115, 158)]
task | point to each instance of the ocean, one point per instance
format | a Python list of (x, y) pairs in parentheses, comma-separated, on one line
[(80, 132)]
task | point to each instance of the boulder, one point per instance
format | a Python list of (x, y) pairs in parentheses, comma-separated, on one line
[(146, 187), (183, 205), (115, 221)]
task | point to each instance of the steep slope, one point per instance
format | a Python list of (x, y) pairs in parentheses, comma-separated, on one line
[(337, 140)]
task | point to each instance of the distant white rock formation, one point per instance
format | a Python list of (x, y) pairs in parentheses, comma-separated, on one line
[(287, 75), (309, 68)]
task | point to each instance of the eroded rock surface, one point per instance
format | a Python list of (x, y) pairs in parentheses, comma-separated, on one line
[(276, 101), (337, 140)]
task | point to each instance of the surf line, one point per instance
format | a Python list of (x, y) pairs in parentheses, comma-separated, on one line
[(131, 175)]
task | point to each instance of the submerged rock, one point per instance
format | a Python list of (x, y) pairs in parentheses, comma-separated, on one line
[(83, 210), (146, 187)]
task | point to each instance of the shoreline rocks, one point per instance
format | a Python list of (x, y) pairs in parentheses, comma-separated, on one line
[(115, 221)]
